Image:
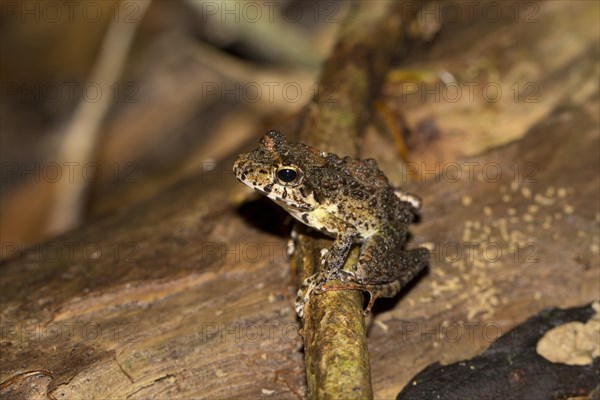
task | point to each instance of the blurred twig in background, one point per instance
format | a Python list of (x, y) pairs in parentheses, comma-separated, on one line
[(191, 89), (277, 40), (81, 134)]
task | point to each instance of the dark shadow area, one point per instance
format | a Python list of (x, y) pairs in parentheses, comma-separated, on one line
[(266, 216), (512, 368)]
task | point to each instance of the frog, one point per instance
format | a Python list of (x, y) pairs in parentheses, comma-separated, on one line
[(348, 199)]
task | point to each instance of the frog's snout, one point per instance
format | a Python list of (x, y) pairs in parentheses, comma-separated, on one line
[(240, 168), (236, 164)]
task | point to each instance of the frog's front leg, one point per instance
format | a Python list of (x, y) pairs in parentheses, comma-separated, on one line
[(383, 268), (331, 263), (337, 254)]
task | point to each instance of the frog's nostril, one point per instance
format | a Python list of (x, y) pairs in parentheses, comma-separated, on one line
[(239, 168), (243, 172)]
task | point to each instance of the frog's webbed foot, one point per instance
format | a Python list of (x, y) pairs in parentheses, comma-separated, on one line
[(315, 283), (323, 282), (302, 298), (306, 289), (380, 278), (347, 280), (375, 291)]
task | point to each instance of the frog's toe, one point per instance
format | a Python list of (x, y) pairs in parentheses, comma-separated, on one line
[(308, 286), (346, 276), (301, 301), (300, 308), (320, 289), (291, 248)]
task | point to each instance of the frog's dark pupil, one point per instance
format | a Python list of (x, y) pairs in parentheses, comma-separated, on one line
[(287, 175)]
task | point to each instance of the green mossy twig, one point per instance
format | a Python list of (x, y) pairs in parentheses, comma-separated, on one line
[(336, 355)]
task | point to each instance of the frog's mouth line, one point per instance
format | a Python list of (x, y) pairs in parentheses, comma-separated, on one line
[(295, 206), (285, 203), (304, 207)]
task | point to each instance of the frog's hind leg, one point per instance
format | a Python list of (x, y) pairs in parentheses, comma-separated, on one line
[(381, 273), (375, 291), (401, 266), (382, 260)]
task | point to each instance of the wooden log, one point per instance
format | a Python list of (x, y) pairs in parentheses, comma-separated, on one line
[(190, 294)]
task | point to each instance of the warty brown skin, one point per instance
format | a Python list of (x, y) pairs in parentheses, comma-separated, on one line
[(348, 199)]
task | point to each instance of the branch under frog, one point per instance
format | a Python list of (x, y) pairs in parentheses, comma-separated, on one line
[(335, 344)]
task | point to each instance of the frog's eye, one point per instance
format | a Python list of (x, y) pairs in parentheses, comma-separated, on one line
[(288, 175)]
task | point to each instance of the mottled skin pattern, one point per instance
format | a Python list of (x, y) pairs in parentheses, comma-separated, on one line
[(348, 199)]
